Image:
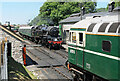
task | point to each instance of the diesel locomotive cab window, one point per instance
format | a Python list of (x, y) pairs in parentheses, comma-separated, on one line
[(106, 46), (73, 37), (70, 37), (80, 38), (113, 27)]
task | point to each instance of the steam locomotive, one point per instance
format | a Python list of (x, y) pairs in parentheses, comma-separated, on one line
[(46, 35)]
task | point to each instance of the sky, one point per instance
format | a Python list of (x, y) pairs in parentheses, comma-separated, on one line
[(19, 12), (23, 11)]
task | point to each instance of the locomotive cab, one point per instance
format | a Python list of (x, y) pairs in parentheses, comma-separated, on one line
[(93, 49)]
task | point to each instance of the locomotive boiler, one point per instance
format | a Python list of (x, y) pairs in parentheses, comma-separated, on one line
[(46, 35)]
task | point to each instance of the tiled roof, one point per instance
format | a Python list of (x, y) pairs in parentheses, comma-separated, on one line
[(76, 17), (70, 19)]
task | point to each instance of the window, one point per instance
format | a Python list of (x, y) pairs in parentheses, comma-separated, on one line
[(73, 37), (103, 27), (90, 28), (80, 38), (70, 36), (106, 46), (113, 27)]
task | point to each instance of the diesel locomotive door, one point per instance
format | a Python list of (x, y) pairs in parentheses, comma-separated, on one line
[(76, 48), (80, 49)]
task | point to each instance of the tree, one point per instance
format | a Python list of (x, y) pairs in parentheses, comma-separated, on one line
[(117, 3), (101, 10), (53, 12)]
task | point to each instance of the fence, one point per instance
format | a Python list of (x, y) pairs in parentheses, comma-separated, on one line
[(3, 62)]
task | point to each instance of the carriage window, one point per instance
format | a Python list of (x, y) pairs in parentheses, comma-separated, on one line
[(103, 27), (70, 36), (106, 46), (73, 37), (90, 28), (80, 38), (113, 27)]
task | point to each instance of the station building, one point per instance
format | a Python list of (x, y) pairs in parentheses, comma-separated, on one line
[(66, 24)]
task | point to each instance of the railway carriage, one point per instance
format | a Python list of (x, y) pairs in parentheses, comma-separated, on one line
[(94, 49), (25, 31)]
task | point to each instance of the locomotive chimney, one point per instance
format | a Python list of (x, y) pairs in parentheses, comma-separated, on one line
[(111, 6)]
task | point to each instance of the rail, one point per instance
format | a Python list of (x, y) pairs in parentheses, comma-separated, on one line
[(3, 62)]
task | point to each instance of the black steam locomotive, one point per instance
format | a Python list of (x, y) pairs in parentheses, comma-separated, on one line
[(46, 35)]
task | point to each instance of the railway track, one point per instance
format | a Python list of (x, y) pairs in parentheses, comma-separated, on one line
[(63, 54), (55, 68), (58, 60)]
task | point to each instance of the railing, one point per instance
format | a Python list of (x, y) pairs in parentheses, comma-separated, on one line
[(3, 62)]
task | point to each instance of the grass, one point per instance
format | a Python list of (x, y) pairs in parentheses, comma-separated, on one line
[(17, 71)]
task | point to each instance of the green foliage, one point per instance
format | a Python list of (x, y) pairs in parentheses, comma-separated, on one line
[(52, 12), (101, 10), (117, 3)]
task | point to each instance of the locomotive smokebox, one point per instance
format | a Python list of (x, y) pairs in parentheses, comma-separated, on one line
[(53, 31)]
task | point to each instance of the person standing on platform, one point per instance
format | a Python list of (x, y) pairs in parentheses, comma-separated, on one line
[(24, 54)]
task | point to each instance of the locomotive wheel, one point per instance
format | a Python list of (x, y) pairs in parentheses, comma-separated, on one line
[(77, 77)]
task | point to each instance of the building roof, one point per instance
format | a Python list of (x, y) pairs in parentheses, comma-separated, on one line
[(70, 20), (12, 33), (76, 16)]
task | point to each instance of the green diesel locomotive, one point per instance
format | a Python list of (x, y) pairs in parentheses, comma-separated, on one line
[(94, 48)]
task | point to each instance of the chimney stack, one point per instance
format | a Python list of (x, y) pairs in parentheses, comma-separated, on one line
[(83, 10), (111, 6)]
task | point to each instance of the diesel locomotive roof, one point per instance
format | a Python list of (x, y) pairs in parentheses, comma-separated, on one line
[(26, 27), (109, 24)]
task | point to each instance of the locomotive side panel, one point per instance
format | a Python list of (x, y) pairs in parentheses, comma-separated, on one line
[(99, 61), (72, 55), (100, 55), (25, 31)]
